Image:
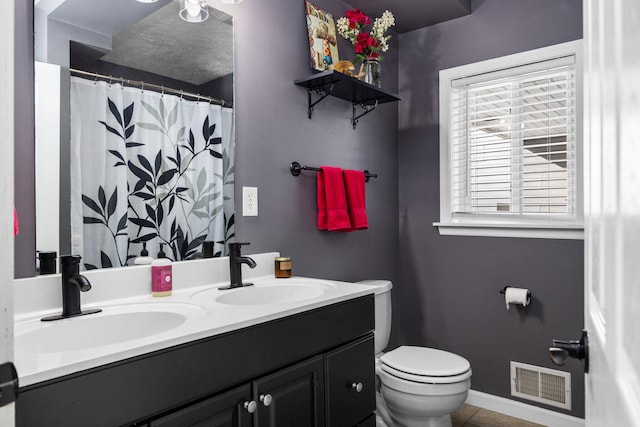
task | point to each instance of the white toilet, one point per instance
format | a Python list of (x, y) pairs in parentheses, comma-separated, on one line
[(415, 386)]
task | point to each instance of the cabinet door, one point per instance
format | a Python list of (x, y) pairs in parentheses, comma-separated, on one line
[(223, 410), (350, 383), (292, 397)]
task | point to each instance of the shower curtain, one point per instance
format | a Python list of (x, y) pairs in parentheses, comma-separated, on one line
[(147, 167)]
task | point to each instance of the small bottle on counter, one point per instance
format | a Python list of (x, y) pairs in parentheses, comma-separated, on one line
[(161, 275), (207, 249), (144, 258), (283, 267), (47, 262)]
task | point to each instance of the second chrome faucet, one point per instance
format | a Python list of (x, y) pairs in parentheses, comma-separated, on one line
[(235, 266)]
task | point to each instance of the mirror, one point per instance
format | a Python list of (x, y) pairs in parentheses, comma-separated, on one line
[(159, 63)]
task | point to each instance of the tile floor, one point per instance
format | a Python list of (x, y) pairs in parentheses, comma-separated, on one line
[(472, 416)]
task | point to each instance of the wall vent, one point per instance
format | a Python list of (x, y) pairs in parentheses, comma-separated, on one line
[(541, 385)]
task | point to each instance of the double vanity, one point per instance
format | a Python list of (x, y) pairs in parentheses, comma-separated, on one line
[(283, 352)]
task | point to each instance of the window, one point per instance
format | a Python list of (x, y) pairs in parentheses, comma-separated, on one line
[(510, 139)]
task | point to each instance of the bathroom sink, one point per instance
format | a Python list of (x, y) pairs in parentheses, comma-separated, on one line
[(114, 325), (278, 291)]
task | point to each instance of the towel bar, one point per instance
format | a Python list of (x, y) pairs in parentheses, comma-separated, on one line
[(296, 169)]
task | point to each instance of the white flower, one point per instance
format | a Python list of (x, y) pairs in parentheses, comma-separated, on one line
[(383, 44), (380, 25), (388, 18), (343, 26)]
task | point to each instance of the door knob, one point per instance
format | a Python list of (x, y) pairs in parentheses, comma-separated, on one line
[(357, 387), (562, 350), (8, 383)]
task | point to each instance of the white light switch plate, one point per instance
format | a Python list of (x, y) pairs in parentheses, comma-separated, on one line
[(249, 201)]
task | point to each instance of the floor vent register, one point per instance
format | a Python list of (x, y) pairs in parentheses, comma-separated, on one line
[(542, 385)]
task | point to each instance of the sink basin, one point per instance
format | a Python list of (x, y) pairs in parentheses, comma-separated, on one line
[(114, 325), (273, 292)]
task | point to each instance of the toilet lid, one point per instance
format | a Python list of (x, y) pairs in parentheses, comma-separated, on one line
[(423, 361)]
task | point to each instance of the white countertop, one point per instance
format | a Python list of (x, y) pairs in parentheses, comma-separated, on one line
[(128, 290)]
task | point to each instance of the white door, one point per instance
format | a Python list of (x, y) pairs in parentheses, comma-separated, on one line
[(6, 195), (612, 210)]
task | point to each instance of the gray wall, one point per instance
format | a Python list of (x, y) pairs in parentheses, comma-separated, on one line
[(272, 129), (447, 296), (24, 157)]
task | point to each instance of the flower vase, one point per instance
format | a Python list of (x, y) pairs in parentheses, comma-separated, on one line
[(372, 72)]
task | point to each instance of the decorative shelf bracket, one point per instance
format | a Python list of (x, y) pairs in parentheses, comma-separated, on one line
[(345, 87), (367, 109), (322, 92)]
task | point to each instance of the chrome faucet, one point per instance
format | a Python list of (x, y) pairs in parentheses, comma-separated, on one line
[(235, 266), (72, 284)]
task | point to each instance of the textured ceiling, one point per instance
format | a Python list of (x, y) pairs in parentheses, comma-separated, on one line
[(164, 44), (152, 37), (413, 14)]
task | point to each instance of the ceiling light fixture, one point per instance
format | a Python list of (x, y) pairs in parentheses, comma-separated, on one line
[(147, 1), (194, 10), (231, 1)]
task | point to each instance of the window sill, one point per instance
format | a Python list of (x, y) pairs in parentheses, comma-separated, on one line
[(542, 231)]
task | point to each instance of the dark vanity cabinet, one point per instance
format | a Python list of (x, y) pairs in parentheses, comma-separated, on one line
[(311, 369), (350, 387), (289, 397), (224, 409), (293, 396)]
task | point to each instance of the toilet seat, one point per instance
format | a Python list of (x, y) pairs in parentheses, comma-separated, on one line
[(425, 365)]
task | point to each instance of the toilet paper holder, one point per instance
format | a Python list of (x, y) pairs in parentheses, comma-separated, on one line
[(504, 290)]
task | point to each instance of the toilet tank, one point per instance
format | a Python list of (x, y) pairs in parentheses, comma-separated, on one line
[(382, 312)]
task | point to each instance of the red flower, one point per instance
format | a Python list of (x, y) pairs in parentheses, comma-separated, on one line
[(364, 42), (366, 46), (355, 16)]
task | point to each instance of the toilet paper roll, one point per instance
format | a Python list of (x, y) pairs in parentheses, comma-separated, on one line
[(516, 296)]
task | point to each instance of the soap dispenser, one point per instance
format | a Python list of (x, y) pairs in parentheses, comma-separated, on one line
[(161, 275), (144, 258)]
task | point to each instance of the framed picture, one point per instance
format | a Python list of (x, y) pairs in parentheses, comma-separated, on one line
[(323, 43)]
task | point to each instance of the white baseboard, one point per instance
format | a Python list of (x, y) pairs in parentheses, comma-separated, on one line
[(523, 411)]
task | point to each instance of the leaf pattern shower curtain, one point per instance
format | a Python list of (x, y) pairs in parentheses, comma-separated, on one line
[(147, 167)]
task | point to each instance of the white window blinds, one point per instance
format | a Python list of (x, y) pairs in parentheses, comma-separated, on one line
[(513, 141)]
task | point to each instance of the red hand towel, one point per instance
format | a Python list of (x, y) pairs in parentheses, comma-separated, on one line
[(357, 206), (16, 226), (335, 199), (322, 202)]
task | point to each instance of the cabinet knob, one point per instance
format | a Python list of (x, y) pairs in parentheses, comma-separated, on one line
[(251, 406), (266, 399), (357, 387)]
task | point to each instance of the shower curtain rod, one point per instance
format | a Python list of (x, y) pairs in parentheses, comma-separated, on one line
[(143, 85)]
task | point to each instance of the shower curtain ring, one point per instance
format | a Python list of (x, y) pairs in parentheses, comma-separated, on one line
[(162, 92), (181, 94), (122, 83), (141, 87), (110, 79)]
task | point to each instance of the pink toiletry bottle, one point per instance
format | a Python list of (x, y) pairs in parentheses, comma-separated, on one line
[(161, 277)]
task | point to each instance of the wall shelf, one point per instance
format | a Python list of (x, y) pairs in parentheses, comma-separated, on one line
[(339, 85)]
